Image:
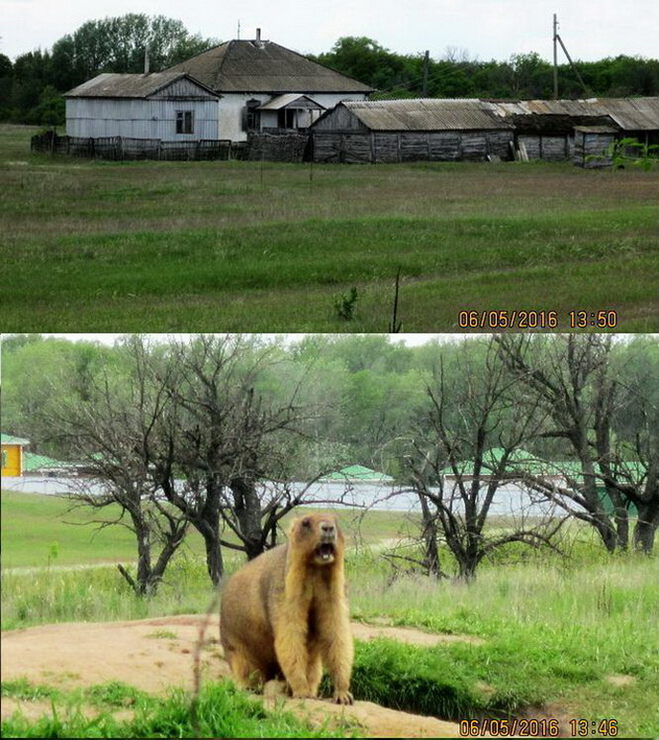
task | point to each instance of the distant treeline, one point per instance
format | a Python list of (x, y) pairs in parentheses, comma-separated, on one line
[(31, 88), (456, 75)]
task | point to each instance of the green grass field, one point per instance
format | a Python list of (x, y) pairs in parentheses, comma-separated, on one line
[(573, 636), (243, 246)]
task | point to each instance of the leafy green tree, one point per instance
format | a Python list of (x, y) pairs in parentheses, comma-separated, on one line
[(114, 44), (37, 374), (118, 44)]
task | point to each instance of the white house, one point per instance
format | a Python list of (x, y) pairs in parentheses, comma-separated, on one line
[(167, 105), (264, 85)]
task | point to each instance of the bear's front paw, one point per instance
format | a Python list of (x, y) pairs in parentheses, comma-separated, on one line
[(343, 697)]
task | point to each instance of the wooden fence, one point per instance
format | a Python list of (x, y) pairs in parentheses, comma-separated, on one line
[(126, 148), (278, 145)]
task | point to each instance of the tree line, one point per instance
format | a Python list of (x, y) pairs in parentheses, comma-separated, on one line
[(31, 87), (227, 435), (457, 75)]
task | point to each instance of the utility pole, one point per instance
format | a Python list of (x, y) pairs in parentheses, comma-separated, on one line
[(238, 37), (555, 37), (426, 62)]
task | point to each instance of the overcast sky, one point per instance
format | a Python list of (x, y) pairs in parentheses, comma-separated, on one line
[(485, 29)]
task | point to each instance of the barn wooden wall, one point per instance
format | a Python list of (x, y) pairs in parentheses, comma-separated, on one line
[(409, 146)]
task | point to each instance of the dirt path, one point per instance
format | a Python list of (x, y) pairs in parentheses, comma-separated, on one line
[(154, 654)]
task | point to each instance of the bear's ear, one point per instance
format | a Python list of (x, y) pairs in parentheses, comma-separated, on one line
[(300, 522)]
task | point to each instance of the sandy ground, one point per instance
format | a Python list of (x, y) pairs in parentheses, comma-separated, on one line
[(154, 654)]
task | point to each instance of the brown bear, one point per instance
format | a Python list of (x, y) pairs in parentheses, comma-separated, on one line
[(285, 613)]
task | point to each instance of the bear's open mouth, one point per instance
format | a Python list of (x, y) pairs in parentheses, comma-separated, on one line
[(325, 551)]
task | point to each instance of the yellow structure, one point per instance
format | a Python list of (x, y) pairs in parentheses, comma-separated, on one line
[(12, 455)]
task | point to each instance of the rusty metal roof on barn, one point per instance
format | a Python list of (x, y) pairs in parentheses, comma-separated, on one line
[(631, 114), (110, 85), (427, 114), (263, 66)]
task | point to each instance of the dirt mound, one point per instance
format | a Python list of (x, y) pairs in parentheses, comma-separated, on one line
[(154, 654)]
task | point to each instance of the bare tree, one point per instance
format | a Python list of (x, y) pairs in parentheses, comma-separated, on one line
[(226, 438), (572, 378), (110, 429), (465, 450)]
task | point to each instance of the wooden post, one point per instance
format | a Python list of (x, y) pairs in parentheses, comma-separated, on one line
[(426, 62)]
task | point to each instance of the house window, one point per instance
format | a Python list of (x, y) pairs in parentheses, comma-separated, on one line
[(252, 119), (184, 122)]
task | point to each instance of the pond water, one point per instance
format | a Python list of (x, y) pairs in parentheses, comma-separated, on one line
[(509, 500)]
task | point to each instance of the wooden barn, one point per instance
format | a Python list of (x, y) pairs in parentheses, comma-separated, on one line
[(574, 129), (162, 105), (408, 130), (473, 129)]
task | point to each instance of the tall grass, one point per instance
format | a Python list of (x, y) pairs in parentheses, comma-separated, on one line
[(100, 594)]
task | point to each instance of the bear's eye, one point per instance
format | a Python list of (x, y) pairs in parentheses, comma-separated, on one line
[(306, 523)]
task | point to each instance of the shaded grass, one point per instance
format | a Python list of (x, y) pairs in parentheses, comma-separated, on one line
[(221, 711), (197, 246)]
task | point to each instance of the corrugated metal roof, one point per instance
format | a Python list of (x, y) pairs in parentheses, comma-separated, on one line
[(631, 114), (426, 114), (282, 101), (110, 85), (250, 66), (440, 114), (33, 462)]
